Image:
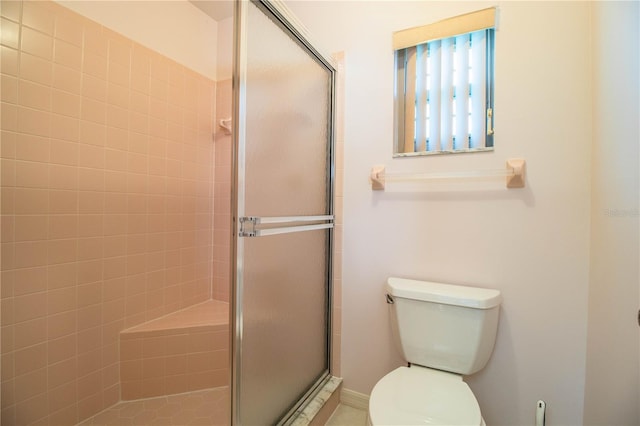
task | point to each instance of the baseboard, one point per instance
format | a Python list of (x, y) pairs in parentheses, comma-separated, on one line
[(354, 399)]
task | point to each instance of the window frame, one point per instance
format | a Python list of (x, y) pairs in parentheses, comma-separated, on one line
[(407, 103)]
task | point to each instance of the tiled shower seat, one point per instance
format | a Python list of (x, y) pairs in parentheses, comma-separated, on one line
[(180, 352)]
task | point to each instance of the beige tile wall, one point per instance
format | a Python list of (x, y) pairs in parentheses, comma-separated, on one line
[(106, 202), (222, 196)]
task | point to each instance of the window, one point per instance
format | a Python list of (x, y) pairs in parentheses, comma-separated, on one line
[(444, 86)]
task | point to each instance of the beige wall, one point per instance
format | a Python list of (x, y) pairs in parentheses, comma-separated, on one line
[(532, 244), (107, 166), (612, 379)]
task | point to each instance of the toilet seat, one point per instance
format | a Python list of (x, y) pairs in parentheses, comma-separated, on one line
[(423, 396)]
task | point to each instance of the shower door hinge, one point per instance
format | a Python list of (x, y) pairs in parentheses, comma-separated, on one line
[(250, 223)]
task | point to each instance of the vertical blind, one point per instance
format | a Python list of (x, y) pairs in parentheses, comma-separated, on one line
[(442, 91)]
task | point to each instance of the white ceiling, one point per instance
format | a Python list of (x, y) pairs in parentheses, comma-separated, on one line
[(217, 9)]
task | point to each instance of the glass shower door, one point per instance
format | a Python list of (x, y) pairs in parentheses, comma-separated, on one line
[(283, 227)]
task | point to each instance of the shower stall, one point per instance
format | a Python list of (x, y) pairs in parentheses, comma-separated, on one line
[(148, 258)]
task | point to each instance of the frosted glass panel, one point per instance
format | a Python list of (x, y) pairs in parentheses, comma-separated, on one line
[(284, 163), (287, 112), (284, 316)]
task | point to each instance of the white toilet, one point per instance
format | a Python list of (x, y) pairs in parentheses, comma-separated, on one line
[(445, 331)]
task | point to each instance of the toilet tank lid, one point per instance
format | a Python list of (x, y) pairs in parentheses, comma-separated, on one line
[(447, 294)]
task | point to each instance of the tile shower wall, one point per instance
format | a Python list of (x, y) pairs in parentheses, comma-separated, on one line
[(222, 197), (106, 202)]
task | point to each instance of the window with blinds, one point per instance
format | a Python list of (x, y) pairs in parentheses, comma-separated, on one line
[(444, 86)]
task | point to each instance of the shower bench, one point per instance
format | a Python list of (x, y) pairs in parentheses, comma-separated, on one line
[(180, 352)]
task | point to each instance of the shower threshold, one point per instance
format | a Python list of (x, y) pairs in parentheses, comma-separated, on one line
[(318, 410)]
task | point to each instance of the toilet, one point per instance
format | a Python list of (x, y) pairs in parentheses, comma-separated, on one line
[(445, 332)]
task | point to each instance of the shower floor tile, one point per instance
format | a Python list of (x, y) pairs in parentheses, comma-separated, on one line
[(206, 407)]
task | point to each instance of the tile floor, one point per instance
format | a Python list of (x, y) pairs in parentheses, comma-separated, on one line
[(206, 408), (347, 416)]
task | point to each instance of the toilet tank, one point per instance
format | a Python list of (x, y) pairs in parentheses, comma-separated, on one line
[(442, 326)]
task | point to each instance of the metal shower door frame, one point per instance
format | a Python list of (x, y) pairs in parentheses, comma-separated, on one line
[(283, 18)]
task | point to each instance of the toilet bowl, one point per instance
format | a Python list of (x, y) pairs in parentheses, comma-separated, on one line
[(445, 332), (422, 396)]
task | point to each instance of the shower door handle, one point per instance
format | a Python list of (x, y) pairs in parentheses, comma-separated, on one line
[(284, 230), (256, 226)]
